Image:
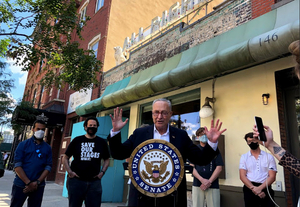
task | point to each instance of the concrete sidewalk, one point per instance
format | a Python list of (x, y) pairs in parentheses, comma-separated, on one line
[(52, 195)]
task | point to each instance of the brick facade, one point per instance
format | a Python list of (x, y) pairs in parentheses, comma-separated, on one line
[(180, 38), (281, 117), (260, 7), (177, 39)]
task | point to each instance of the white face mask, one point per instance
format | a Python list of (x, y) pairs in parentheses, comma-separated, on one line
[(39, 134)]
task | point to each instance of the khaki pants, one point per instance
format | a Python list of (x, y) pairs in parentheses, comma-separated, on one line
[(211, 195)]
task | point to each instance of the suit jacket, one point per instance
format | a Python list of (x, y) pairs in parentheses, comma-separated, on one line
[(180, 139)]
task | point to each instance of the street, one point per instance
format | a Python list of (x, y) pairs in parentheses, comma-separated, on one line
[(52, 195)]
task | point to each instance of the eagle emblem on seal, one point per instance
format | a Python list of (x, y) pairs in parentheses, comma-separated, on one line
[(155, 171)]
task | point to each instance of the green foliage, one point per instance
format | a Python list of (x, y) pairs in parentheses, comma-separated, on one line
[(25, 110), (54, 22), (6, 102)]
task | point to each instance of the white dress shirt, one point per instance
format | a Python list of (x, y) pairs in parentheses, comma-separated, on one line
[(165, 136), (257, 169)]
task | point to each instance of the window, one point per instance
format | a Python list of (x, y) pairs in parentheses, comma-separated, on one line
[(41, 96), (185, 107), (58, 92), (94, 43), (34, 96), (83, 14), (95, 48), (50, 93), (41, 65), (99, 4), (27, 96), (72, 122)]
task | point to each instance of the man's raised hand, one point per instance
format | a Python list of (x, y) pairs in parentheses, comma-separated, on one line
[(214, 133), (117, 121)]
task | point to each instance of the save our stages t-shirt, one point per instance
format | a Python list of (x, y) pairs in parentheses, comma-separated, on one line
[(87, 154)]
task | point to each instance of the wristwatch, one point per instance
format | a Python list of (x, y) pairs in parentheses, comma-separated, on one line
[(38, 182)]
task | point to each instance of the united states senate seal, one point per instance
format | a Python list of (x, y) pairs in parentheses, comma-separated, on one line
[(156, 168)]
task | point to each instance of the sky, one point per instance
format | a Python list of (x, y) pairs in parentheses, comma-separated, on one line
[(19, 77), (16, 73), (191, 121)]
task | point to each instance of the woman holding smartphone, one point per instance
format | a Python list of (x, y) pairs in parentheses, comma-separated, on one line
[(286, 159)]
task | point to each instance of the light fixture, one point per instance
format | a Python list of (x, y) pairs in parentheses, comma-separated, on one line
[(265, 98), (206, 109)]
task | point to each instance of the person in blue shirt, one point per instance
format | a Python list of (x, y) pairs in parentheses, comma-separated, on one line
[(206, 177), (32, 163)]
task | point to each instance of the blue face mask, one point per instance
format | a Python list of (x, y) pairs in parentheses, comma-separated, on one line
[(203, 138)]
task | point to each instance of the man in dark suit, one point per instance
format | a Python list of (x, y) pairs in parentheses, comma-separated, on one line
[(161, 114)]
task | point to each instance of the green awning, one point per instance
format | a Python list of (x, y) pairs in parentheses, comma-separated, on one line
[(5, 147), (240, 47), (96, 105)]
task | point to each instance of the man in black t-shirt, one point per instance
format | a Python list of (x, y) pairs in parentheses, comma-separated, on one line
[(85, 173)]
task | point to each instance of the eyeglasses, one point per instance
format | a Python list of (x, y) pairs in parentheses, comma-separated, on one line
[(163, 113), (39, 154)]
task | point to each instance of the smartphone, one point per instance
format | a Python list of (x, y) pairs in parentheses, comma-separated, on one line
[(260, 128)]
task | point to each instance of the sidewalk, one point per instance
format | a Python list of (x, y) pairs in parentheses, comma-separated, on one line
[(52, 195)]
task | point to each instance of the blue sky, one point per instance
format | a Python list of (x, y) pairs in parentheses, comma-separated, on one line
[(191, 121), (19, 77), (17, 74)]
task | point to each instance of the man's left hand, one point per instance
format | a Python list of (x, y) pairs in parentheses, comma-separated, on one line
[(262, 195), (206, 182), (214, 133), (116, 120), (256, 190), (99, 176), (31, 187), (203, 187)]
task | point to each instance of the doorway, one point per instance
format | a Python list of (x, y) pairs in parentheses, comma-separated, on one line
[(288, 93)]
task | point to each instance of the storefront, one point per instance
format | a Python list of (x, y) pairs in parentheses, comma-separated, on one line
[(236, 68)]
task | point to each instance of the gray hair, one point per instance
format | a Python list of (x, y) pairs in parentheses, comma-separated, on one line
[(165, 100)]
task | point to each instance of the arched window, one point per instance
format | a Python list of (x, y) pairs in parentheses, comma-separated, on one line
[(34, 96)]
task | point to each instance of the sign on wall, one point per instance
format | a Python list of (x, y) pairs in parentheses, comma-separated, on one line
[(78, 98)]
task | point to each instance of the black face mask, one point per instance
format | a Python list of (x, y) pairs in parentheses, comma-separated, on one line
[(91, 130), (253, 145)]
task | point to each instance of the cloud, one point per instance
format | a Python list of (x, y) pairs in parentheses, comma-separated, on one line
[(22, 80), (191, 126), (12, 105), (9, 97), (15, 69)]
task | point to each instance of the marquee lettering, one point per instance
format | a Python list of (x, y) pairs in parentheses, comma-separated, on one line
[(157, 23)]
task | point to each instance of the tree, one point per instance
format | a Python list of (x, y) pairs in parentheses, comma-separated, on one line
[(26, 111), (6, 108), (52, 22), (6, 101)]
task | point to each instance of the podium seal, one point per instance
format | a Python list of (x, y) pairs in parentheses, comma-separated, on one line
[(156, 168)]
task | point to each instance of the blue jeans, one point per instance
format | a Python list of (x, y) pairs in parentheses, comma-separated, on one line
[(88, 191), (34, 198)]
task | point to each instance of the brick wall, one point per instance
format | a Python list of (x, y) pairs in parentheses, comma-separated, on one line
[(260, 7), (180, 38), (283, 138), (97, 25)]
